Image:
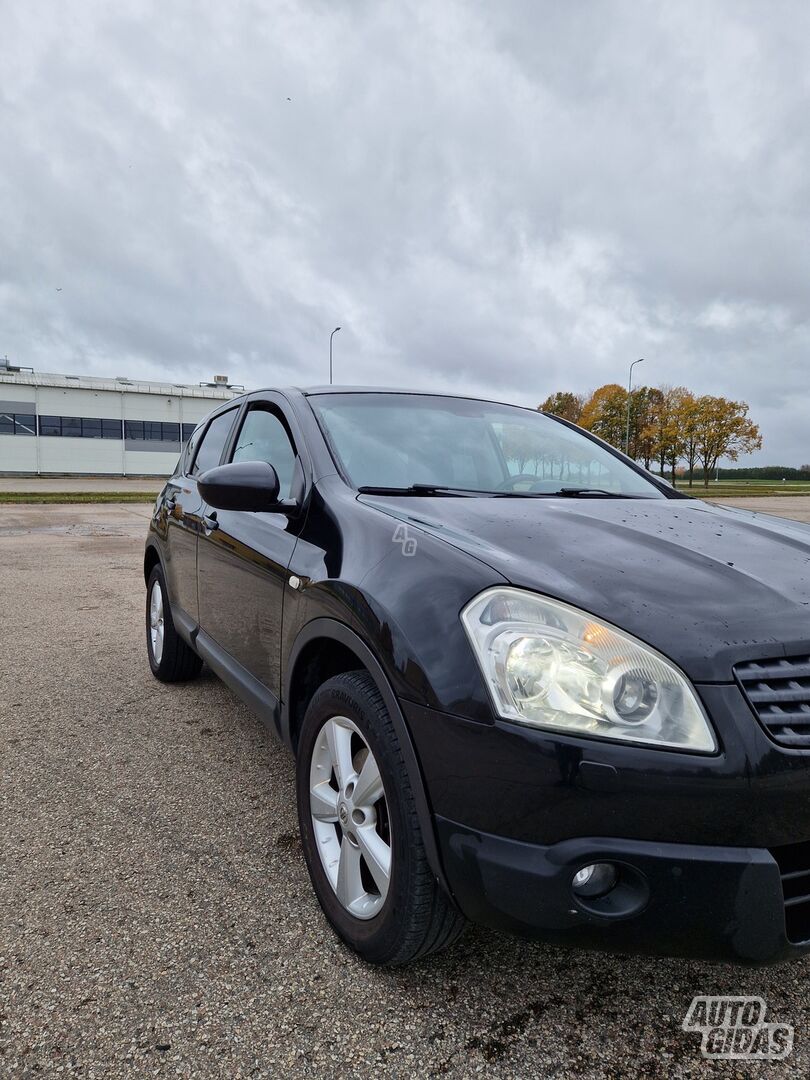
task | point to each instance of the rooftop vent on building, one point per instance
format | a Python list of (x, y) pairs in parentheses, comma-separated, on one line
[(222, 382)]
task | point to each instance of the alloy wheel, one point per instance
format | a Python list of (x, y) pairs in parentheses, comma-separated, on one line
[(156, 625), (350, 817)]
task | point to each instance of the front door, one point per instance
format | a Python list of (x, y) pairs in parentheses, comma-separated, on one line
[(243, 556)]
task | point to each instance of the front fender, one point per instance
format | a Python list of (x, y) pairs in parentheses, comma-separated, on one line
[(328, 629), (401, 591)]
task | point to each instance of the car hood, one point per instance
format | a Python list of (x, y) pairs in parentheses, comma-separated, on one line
[(706, 585)]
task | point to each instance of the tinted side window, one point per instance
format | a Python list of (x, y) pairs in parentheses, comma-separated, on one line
[(213, 442), (25, 424), (50, 425), (91, 429), (190, 450), (264, 438)]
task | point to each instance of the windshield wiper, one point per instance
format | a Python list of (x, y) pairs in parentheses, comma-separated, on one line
[(473, 493), (595, 493), (419, 489), (569, 493)]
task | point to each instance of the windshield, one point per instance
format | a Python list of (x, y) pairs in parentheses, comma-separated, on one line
[(405, 442)]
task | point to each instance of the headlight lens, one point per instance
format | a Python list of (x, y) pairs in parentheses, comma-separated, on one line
[(550, 665)]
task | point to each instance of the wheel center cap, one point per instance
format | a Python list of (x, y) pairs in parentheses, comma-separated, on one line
[(343, 813)]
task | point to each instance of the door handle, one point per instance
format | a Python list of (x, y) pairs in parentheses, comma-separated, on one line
[(210, 521)]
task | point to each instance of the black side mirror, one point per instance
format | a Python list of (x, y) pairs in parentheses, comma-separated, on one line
[(243, 485)]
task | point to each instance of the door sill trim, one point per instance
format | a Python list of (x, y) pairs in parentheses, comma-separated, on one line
[(256, 696)]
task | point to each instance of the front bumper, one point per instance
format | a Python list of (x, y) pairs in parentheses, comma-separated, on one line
[(675, 899), (717, 845)]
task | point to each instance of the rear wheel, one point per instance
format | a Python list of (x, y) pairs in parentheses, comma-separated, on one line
[(360, 831), (170, 658)]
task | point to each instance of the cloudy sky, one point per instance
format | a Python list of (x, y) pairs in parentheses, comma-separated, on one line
[(501, 198)]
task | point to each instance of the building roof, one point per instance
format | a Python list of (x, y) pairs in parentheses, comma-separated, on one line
[(119, 385)]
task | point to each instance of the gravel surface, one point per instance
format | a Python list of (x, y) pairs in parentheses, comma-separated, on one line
[(156, 918)]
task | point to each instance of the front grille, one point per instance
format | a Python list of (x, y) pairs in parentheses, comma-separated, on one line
[(779, 693), (794, 867)]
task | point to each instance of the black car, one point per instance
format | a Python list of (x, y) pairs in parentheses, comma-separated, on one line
[(526, 682)]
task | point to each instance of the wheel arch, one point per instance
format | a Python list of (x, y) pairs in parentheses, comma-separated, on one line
[(151, 559), (309, 666)]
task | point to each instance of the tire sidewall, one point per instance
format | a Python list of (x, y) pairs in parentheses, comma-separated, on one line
[(378, 937), (156, 580)]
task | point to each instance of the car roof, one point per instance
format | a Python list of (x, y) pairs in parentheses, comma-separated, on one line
[(312, 391), (317, 391), (384, 390)]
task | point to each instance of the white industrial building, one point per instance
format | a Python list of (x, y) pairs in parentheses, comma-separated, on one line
[(73, 424)]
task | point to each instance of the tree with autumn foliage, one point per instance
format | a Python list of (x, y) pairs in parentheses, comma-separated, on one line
[(564, 404), (605, 413), (723, 429), (663, 432), (687, 417), (667, 425), (645, 406)]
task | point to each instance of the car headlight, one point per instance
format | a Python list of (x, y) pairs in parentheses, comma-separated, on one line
[(552, 666)]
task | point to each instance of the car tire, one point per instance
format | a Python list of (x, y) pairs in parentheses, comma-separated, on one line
[(387, 922), (170, 658)]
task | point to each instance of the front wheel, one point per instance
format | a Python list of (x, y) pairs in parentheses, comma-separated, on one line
[(360, 831)]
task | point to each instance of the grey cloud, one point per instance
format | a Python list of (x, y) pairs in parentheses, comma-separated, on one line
[(499, 198)]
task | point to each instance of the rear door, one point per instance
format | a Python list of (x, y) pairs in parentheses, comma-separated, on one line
[(242, 561), (185, 510)]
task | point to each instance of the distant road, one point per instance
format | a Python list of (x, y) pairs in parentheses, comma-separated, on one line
[(788, 506)]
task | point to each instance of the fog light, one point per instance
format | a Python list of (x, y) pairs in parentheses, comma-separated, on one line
[(596, 879)]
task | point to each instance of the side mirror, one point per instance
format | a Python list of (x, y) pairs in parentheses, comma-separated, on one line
[(243, 485)]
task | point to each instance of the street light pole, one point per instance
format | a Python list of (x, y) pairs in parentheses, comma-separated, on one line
[(629, 385), (330, 353)]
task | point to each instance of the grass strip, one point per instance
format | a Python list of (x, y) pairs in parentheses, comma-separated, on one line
[(42, 497), (719, 491)]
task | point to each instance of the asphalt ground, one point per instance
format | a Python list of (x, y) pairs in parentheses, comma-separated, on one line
[(156, 917)]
